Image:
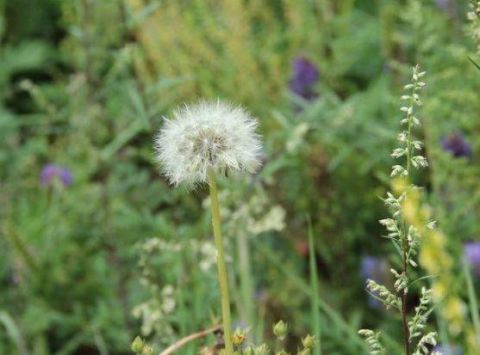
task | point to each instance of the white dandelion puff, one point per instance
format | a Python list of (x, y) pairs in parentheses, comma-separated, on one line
[(207, 135)]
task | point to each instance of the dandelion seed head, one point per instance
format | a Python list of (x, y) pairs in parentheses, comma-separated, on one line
[(207, 135)]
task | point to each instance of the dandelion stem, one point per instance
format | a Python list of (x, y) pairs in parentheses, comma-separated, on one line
[(222, 269)]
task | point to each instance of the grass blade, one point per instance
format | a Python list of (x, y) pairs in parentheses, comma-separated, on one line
[(314, 294)]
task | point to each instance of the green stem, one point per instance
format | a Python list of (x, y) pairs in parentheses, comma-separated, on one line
[(335, 318), (472, 301), (22, 249), (405, 246), (222, 269), (404, 311), (315, 291)]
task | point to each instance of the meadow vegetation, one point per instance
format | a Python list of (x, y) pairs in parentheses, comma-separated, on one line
[(101, 254)]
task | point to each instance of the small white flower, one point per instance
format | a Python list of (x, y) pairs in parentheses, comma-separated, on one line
[(207, 135)]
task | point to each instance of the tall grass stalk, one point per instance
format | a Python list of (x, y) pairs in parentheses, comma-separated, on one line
[(352, 338), (314, 291), (221, 267), (404, 235), (472, 301), (13, 332), (20, 246)]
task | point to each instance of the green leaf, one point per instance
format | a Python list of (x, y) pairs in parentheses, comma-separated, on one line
[(474, 63)]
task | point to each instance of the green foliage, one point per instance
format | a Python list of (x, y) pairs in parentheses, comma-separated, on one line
[(84, 84)]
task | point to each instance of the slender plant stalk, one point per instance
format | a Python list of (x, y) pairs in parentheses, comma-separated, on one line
[(18, 243), (222, 269), (315, 291), (406, 332), (404, 311), (182, 342), (13, 332), (405, 247), (324, 307), (472, 301), (404, 236)]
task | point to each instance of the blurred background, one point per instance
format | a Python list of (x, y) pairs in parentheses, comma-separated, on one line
[(95, 246)]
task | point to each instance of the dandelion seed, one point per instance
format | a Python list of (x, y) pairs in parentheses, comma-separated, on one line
[(207, 135)]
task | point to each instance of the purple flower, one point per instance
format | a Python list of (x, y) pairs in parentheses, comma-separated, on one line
[(375, 269), (471, 252), (456, 144), (448, 7), (305, 75), (444, 5), (50, 172), (240, 324), (448, 350)]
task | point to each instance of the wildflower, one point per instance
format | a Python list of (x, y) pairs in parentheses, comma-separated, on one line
[(137, 345), (208, 256), (207, 135), (239, 336), (147, 350), (262, 350), (447, 350), (308, 341), (457, 145), (301, 247), (305, 76), (376, 269), (280, 329), (51, 172), (446, 6), (202, 141), (472, 256)]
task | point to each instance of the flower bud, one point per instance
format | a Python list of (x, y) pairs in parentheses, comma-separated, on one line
[(261, 350), (280, 329), (308, 341), (147, 350), (137, 345), (239, 336)]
